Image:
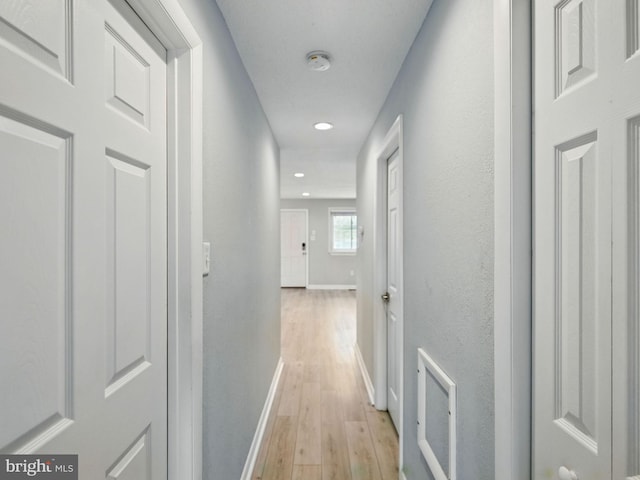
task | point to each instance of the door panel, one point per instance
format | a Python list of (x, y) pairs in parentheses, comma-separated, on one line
[(626, 311), (128, 250), (134, 169), (582, 288), (83, 202), (394, 305), (572, 286), (35, 342), (626, 374), (586, 242), (575, 26), (41, 34), (135, 462)]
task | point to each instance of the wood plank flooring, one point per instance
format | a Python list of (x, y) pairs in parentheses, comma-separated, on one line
[(322, 426)]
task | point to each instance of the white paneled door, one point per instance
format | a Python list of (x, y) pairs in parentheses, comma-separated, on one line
[(83, 246), (294, 247), (394, 291), (586, 224)]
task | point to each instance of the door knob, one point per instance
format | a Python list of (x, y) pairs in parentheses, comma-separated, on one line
[(565, 474), (385, 297)]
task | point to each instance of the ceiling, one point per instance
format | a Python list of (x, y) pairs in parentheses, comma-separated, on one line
[(367, 41)]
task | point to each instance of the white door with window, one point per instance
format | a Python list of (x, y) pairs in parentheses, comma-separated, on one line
[(587, 149), (393, 296), (294, 246), (83, 355)]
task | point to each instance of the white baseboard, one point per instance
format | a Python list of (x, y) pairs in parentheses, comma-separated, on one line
[(365, 375), (402, 475), (331, 287), (252, 457)]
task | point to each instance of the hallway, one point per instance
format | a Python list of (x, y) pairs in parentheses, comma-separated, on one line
[(148, 148), (322, 425)]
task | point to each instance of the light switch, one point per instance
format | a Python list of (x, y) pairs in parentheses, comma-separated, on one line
[(206, 258)]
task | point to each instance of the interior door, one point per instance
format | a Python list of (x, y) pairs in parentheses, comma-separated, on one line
[(293, 248), (83, 245), (625, 127), (394, 291), (587, 105)]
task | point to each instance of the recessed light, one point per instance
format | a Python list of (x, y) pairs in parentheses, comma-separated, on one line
[(298, 175), (306, 194), (323, 126)]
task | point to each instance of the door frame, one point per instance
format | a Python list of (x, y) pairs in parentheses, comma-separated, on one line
[(306, 236), (393, 141), (169, 23), (513, 238)]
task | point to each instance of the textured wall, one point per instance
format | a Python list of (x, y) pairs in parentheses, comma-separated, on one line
[(242, 293), (324, 268), (445, 92)]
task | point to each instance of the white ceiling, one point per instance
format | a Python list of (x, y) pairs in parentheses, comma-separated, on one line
[(367, 40)]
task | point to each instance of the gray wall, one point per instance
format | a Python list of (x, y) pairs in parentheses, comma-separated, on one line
[(324, 268), (445, 92), (241, 204)]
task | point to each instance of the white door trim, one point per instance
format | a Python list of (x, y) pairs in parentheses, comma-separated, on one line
[(392, 142), (512, 239), (306, 236), (170, 24)]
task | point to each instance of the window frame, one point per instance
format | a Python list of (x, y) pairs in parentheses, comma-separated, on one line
[(342, 211)]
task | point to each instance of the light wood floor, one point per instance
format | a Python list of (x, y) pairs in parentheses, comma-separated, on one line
[(322, 425)]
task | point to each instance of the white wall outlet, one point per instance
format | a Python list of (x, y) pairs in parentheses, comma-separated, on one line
[(206, 258)]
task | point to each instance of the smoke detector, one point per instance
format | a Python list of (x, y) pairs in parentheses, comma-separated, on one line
[(318, 61)]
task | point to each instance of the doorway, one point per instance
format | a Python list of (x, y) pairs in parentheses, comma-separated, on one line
[(393, 293), (388, 351), (294, 246)]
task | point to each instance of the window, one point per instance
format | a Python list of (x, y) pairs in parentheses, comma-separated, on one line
[(343, 230)]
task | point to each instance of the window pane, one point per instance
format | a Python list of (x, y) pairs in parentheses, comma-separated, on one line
[(344, 231)]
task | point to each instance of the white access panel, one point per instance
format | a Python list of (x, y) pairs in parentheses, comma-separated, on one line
[(427, 367)]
